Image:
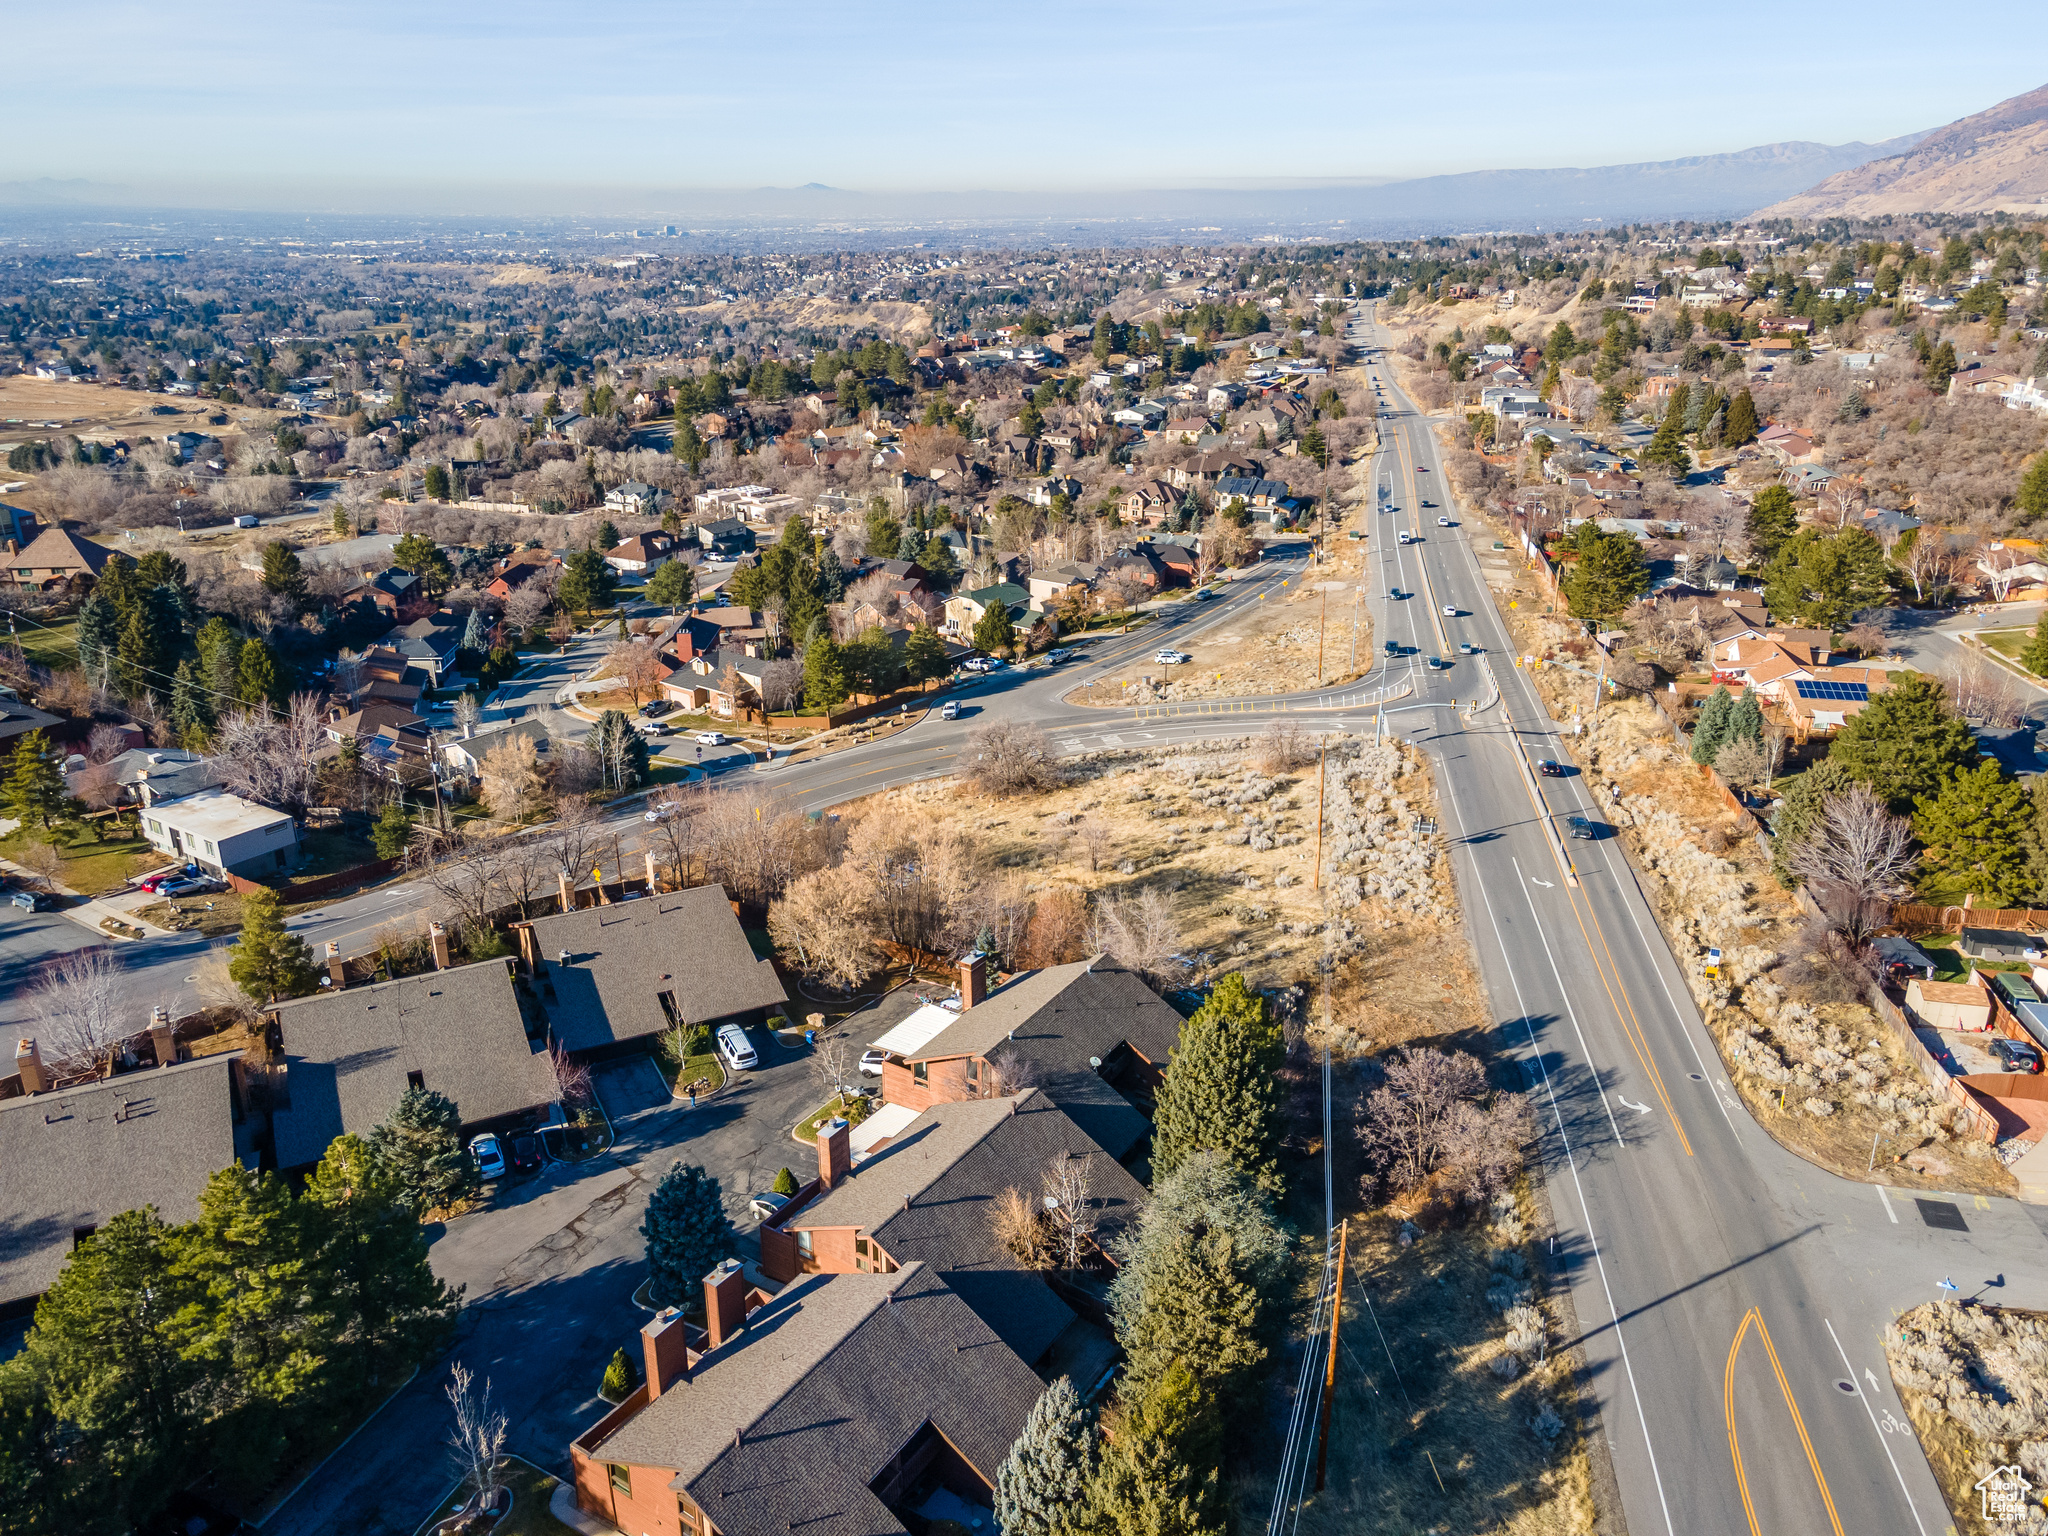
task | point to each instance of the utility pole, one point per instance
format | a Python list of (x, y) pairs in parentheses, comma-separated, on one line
[(1330, 1370), (1322, 757), (1322, 624)]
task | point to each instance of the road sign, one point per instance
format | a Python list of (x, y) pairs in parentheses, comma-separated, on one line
[(1946, 1285)]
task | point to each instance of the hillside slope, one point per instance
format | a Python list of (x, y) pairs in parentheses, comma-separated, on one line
[(1992, 160)]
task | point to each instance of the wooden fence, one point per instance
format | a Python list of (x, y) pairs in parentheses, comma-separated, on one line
[(1919, 919), (1980, 1124)]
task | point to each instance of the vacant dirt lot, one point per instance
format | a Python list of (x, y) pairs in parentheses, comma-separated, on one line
[(32, 408)]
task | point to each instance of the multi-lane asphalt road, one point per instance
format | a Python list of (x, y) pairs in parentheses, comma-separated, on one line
[(1731, 1299)]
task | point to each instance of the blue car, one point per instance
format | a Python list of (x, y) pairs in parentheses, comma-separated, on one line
[(28, 901)]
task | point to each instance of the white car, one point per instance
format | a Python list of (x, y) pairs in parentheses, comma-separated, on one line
[(737, 1049), (1171, 658), (1444, 522), (1054, 657), (711, 738), (1450, 611), (982, 664), (871, 1062), (651, 727), (659, 812), (490, 1157)]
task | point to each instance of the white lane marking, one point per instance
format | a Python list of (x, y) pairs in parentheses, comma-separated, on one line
[(1887, 1199), (1544, 883), (1883, 1439), (1585, 1208), (1641, 1109)]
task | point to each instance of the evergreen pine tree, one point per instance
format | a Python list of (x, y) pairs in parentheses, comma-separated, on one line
[(1041, 1483), (1905, 742), (141, 661), (421, 1147), (391, 833), (1222, 1087), (1160, 1473), (257, 678), (192, 712), (621, 749), (44, 1466), (269, 963), (1741, 425), (1710, 731), (607, 537), (116, 583), (2032, 499), (671, 584), (1805, 797), (687, 1232), (35, 788), (476, 633), (105, 1343), (1773, 520), (1667, 445), (619, 1378), (994, 633), (924, 653), (824, 674), (785, 1183), (1745, 720), (99, 634), (282, 574), (2035, 657), (367, 1274), (1981, 822)]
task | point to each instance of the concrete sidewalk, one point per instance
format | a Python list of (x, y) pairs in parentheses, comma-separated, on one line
[(91, 911)]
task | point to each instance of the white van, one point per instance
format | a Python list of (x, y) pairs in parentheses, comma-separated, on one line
[(737, 1050)]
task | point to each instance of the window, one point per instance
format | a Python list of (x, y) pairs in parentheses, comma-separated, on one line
[(80, 1235), (803, 1244), (415, 1079), (622, 1479), (920, 1073)]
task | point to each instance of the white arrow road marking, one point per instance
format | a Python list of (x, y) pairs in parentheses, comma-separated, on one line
[(1544, 883), (1870, 1376), (1641, 1109)]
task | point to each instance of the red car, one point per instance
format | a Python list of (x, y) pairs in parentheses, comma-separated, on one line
[(151, 881)]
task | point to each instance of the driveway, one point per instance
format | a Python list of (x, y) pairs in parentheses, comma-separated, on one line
[(548, 1269)]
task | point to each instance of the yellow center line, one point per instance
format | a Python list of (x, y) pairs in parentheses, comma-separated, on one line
[(1625, 1013), (1763, 1332)]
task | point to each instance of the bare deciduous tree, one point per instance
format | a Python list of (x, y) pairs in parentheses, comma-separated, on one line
[(1284, 746), (782, 684), (1859, 859), (465, 874), (637, 669), (1013, 757), (828, 918), (526, 607), (1014, 1221), (269, 758), (1141, 933), (76, 1007), (1426, 1119), (478, 1438), (1069, 1185), (42, 861), (572, 1077), (1981, 690), (511, 778), (1931, 564), (835, 1062), (1057, 933), (1742, 762), (1095, 839), (103, 742)]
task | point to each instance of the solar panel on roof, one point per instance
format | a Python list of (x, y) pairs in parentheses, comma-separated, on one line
[(1855, 693)]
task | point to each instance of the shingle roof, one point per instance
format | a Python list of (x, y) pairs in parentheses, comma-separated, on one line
[(79, 1157), (828, 1381), (621, 957), (348, 1055), (58, 549), (927, 1196), (1059, 1018)]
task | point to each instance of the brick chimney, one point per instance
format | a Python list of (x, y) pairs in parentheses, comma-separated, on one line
[(336, 971), (835, 1153), (664, 1346), (28, 1061), (652, 888), (725, 1302), (142, 786), (438, 934), (161, 1038), (566, 890), (973, 979)]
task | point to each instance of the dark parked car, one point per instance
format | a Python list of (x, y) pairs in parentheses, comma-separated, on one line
[(1550, 770), (1580, 827), (2015, 1055), (28, 901), (525, 1153)]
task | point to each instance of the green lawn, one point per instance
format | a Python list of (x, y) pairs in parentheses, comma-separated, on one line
[(531, 1490), (855, 1110), (1950, 964), (53, 645), (89, 865), (2009, 643)]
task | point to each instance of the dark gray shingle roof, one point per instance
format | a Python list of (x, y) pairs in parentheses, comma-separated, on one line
[(928, 1194), (623, 956), (1060, 1017), (78, 1157), (348, 1055), (827, 1382)]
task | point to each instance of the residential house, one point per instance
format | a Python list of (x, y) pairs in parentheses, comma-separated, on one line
[(399, 595), (220, 832), (516, 570), (465, 756), (349, 1056), (78, 1156), (168, 772), (722, 500), (367, 720), (644, 554), (727, 682), (1787, 445), (431, 644), (1186, 429), (1046, 492), (1049, 586), (1225, 397), (725, 538), (1096, 1036), (1824, 703), (613, 976), (964, 610), (1148, 500), (842, 1404), (636, 499), (54, 560), (1213, 466), (1949, 1005), (920, 1191), (2027, 395), (1253, 493)]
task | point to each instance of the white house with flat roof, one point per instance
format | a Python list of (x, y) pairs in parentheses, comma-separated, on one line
[(223, 833)]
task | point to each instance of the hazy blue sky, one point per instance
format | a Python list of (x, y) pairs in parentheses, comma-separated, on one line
[(504, 98)]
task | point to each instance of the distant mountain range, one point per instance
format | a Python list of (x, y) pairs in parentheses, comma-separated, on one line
[(1979, 164)]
